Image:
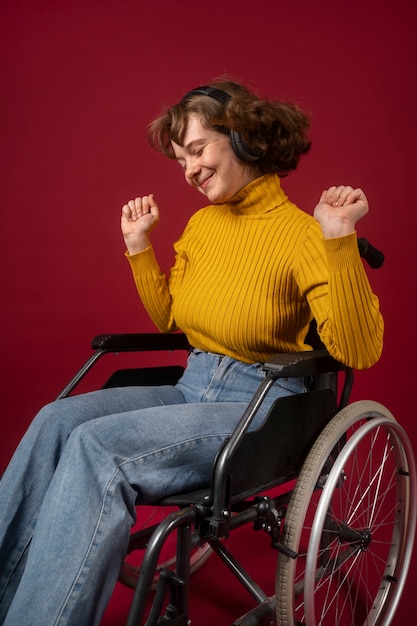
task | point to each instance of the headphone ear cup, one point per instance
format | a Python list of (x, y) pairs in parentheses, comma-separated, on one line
[(242, 150)]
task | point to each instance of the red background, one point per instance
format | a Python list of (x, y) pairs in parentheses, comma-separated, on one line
[(80, 81)]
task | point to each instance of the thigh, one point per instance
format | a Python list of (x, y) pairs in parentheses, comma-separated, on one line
[(47, 435), (75, 410), (158, 450)]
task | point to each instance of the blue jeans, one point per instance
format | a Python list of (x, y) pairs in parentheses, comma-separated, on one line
[(68, 497)]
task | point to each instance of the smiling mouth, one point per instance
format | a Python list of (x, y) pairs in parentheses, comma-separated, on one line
[(205, 182)]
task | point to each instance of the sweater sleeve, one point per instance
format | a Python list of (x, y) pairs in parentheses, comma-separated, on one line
[(154, 287), (332, 277)]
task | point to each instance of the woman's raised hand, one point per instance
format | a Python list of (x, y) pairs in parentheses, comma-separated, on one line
[(339, 209), (139, 218)]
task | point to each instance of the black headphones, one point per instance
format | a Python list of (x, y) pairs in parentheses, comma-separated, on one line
[(240, 148)]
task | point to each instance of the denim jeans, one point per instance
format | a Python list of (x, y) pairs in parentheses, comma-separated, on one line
[(68, 497)]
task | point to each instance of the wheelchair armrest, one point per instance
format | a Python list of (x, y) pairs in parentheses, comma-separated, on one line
[(140, 342), (130, 342), (301, 364)]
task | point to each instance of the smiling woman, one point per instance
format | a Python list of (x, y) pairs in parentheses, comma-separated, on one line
[(251, 271), (209, 163)]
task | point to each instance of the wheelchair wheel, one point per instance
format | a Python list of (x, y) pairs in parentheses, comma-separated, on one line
[(148, 517), (351, 522)]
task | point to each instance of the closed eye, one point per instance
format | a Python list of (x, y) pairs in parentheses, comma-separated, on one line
[(195, 153)]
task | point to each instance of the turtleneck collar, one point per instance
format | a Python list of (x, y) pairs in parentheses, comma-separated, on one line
[(257, 197)]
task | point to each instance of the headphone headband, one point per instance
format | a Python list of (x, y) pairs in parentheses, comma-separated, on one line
[(240, 148), (218, 94)]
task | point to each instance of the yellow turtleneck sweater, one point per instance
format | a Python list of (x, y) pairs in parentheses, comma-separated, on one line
[(250, 275)]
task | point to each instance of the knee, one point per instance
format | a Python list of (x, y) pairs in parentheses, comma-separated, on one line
[(53, 423)]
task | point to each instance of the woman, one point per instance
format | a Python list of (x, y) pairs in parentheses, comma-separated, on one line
[(251, 271)]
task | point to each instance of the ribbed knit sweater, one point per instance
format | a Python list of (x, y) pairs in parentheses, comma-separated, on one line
[(249, 276)]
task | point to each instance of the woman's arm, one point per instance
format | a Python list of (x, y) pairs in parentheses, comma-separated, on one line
[(333, 279), (139, 217)]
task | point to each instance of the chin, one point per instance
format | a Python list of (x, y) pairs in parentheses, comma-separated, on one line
[(217, 198)]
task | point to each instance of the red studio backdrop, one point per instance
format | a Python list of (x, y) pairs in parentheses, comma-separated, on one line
[(80, 82)]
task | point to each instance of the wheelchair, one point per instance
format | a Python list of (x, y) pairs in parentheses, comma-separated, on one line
[(332, 484)]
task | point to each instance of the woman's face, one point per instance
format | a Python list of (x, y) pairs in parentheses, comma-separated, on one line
[(209, 163)]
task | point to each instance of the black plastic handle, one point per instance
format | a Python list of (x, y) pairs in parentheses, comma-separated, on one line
[(374, 257)]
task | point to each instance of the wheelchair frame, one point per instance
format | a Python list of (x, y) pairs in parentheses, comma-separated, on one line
[(323, 533)]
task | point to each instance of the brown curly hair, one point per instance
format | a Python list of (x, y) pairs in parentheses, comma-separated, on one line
[(277, 130)]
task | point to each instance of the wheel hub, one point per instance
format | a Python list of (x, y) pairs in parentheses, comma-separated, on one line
[(362, 537)]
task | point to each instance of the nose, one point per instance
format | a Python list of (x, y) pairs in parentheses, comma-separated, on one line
[(191, 169)]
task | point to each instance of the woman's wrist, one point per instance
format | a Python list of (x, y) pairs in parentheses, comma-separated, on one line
[(138, 245), (334, 229)]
